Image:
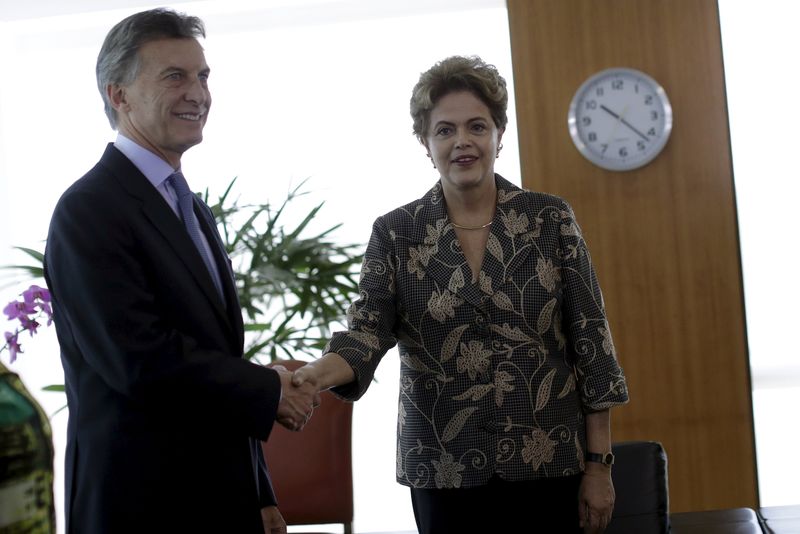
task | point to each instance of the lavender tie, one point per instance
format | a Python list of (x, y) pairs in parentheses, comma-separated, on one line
[(185, 203)]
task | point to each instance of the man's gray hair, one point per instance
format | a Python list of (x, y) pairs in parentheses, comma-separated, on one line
[(119, 62)]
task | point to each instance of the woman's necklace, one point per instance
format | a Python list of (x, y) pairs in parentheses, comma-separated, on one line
[(471, 227), (465, 227)]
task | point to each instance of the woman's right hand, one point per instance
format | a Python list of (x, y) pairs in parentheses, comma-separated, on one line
[(305, 374), (328, 371)]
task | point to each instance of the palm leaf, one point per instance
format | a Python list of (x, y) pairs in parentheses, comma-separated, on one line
[(292, 286)]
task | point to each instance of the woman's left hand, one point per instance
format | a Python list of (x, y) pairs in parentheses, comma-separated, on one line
[(596, 499), (273, 520)]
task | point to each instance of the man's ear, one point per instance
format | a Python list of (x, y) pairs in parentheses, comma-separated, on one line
[(116, 95)]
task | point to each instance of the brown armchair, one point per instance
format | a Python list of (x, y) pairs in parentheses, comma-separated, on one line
[(311, 470)]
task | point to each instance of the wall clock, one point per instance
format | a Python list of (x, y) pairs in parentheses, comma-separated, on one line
[(620, 119)]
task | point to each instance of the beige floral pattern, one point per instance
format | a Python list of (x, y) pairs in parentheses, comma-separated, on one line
[(447, 472), (548, 274), (502, 384), (538, 449), (442, 305), (474, 359), (418, 259), (515, 223), (401, 417), (608, 345), (496, 375)]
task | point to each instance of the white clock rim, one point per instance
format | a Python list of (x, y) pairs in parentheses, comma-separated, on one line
[(617, 165)]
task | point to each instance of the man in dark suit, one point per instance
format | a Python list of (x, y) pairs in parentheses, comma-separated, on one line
[(164, 414)]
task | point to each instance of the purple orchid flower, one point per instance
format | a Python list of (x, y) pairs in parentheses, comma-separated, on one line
[(35, 293), (14, 347), (48, 311), (30, 325), (34, 304), (18, 310)]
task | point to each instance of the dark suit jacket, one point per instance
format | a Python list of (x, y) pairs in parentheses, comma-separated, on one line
[(163, 411)]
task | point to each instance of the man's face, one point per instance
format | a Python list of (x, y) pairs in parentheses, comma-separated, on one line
[(165, 108)]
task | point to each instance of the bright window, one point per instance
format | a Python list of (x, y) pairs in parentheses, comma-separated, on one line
[(759, 46)]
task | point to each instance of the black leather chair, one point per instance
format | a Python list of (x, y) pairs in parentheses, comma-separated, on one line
[(641, 484), (728, 521)]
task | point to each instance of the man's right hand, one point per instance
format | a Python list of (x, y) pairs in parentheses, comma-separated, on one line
[(297, 402)]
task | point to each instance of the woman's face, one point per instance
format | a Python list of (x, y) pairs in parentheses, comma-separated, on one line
[(462, 140)]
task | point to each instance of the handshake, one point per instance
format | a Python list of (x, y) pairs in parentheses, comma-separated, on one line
[(299, 396)]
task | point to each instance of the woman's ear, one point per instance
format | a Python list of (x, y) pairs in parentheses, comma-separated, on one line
[(500, 133), (424, 143)]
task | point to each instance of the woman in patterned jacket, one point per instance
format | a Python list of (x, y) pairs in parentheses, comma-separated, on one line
[(508, 369)]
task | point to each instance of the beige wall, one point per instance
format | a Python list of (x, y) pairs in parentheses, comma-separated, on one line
[(663, 237)]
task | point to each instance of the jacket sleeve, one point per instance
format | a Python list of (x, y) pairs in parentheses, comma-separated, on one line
[(601, 381), (266, 494), (371, 318)]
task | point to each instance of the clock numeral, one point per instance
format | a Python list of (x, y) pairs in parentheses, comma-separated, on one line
[(616, 85), (599, 91), (623, 152), (592, 137), (586, 121), (648, 100), (654, 115), (640, 145), (604, 148), (636, 88), (651, 131), (591, 104)]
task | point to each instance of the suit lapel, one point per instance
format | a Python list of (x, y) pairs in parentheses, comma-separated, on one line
[(513, 229), (171, 228), (163, 219), (436, 248)]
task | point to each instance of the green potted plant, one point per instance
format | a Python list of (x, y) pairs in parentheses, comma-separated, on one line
[(292, 286)]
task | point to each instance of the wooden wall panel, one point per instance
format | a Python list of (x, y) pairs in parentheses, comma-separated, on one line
[(663, 237)]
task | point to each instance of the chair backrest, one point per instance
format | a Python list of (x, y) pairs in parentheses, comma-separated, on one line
[(311, 470), (642, 488)]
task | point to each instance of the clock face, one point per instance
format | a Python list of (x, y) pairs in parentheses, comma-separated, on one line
[(620, 119)]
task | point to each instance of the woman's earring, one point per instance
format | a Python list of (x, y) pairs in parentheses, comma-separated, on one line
[(498, 150), (432, 162)]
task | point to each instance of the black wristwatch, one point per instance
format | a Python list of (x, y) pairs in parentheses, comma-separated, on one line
[(607, 458)]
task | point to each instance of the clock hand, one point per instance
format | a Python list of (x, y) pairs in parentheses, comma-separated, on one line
[(623, 121), (616, 125)]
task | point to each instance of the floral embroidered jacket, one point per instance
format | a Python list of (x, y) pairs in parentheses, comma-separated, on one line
[(496, 377)]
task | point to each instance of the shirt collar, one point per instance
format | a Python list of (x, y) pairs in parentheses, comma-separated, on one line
[(155, 169)]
